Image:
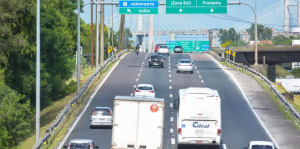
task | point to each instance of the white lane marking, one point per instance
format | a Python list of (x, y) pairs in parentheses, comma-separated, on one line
[(195, 67), (171, 96), (171, 130), (170, 87), (203, 84), (143, 63), (131, 94), (172, 141), (137, 79), (87, 105), (138, 74), (247, 100), (169, 63), (169, 75), (169, 67), (224, 146), (141, 70), (170, 80), (202, 81), (197, 71), (169, 71), (142, 66), (199, 76), (171, 104), (171, 119)]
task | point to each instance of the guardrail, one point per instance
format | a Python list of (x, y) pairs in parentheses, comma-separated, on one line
[(61, 116), (289, 107)]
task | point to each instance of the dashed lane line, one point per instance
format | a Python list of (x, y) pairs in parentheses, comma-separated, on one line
[(171, 119)]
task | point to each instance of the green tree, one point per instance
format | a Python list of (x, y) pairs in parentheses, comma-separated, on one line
[(16, 118), (263, 33), (296, 72), (229, 35)]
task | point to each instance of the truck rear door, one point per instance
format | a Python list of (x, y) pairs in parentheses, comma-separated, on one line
[(125, 123), (150, 129)]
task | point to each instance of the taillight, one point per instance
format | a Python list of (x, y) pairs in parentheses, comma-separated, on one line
[(179, 65), (91, 145), (151, 91), (190, 65), (137, 91), (110, 113), (179, 131), (219, 132), (149, 59), (93, 112), (69, 145), (162, 60)]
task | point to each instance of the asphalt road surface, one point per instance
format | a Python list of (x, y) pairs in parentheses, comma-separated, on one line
[(239, 125)]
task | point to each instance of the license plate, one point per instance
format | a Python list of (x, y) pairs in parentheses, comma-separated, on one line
[(155, 63), (199, 141), (101, 119), (144, 96)]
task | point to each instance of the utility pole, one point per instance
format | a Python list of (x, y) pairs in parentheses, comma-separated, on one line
[(102, 35), (92, 37), (97, 34), (112, 25)]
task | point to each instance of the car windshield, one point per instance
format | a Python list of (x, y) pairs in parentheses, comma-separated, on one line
[(261, 147), (163, 47), (144, 88), (102, 112), (80, 146), (184, 61)]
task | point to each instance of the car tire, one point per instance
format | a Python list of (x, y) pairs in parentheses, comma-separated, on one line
[(149, 66), (162, 66), (91, 127), (177, 71), (192, 71)]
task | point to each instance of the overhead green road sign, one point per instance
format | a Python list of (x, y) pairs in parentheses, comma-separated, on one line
[(138, 7), (201, 46), (196, 6), (187, 46), (138, 10)]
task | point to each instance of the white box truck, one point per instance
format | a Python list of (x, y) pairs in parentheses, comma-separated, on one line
[(138, 123), (198, 117), (295, 42)]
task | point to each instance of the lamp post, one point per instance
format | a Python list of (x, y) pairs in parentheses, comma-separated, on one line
[(255, 32)]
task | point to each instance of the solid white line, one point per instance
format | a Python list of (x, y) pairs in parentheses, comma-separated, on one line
[(171, 105), (171, 119), (224, 146), (247, 100), (87, 105), (171, 130), (172, 141), (171, 95)]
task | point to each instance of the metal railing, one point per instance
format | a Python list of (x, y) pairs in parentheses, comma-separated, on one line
[(61, 116), (290, 109)]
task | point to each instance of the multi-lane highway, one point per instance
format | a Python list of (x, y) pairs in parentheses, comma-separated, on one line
[(239, 125)]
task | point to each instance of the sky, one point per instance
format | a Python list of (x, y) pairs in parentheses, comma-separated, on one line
[(239, 11)]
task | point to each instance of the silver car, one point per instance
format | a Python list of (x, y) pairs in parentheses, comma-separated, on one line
[(101, 116), (163, 49), (185, 65), (81, 144), (178, 49)]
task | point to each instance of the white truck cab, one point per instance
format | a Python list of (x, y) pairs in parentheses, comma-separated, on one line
[(260, 145)]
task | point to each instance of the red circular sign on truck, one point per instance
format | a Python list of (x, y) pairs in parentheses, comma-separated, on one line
[(154, 108)]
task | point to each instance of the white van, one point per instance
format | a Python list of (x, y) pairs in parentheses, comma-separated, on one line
[(198, 117)]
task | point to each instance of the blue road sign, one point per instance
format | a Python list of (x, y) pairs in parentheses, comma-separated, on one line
[(138, 4)]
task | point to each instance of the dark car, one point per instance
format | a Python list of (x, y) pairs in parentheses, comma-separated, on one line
[(156, 60), (178, 49)]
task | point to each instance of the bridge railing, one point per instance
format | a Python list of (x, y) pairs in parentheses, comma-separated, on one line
[(289, 108), (61, 116)]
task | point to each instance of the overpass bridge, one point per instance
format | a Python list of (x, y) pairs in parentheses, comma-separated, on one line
[(270, 55)]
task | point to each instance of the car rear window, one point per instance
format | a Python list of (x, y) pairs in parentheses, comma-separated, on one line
[(163, 47), (102, 112), (144, 88), (80, 146), (185, 62), (156, 57), (261, 147), (178, 47)]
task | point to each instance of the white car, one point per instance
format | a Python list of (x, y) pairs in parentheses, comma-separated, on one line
[(185, 65), (81, 144), (260, 145), (144, 90), (163, 49), (101, 116)]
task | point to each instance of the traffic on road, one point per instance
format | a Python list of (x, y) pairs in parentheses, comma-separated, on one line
[(186, 113)]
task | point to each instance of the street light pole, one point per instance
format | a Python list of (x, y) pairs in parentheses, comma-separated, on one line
[(38, 76), (97, 34), (255, 32), (78, 46)]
